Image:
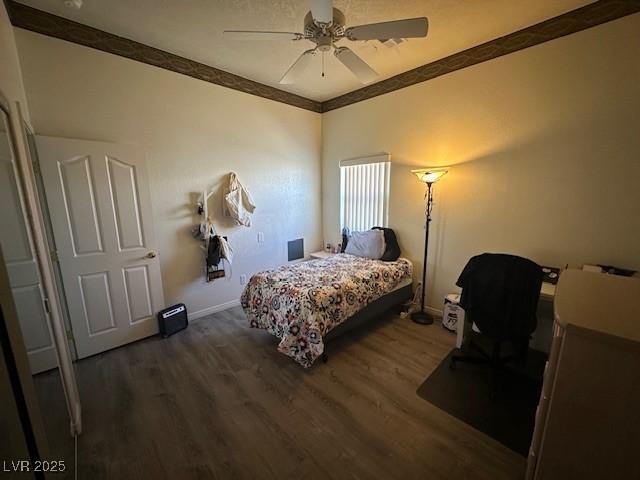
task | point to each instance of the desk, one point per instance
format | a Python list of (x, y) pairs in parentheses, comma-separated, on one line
[(541, 338), (548, 291)]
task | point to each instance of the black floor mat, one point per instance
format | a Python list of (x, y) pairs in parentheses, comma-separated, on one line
[(465, 394)]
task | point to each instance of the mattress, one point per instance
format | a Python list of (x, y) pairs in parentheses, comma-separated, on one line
[(404, 282), (301, 303)]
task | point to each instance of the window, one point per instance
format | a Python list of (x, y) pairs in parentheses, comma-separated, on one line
[(364, 192)]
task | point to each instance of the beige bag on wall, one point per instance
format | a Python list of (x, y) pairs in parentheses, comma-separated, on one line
[(237, 201)]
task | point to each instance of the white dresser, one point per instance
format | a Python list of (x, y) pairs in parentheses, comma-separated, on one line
[(588, 419)]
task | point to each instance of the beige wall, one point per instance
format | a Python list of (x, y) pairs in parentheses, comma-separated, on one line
[(194, 133), (10, 75), (545, 148)]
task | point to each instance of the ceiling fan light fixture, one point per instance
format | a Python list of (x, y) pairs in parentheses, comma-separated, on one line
[(325, 26), (325, 43)]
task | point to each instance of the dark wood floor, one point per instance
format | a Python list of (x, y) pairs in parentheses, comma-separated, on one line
[(218, 401)]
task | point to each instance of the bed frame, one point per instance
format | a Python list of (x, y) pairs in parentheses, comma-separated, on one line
[(373, 310)]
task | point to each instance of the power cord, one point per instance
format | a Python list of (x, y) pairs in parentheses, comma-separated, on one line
[(412, 306)]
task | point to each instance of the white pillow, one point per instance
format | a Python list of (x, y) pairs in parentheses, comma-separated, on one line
[(369, 244)]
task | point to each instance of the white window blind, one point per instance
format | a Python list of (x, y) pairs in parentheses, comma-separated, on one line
[(364, 192)]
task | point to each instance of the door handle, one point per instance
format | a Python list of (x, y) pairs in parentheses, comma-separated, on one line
[(152, 254)]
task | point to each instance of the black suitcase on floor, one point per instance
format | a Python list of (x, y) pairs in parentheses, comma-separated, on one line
[(172, 319)]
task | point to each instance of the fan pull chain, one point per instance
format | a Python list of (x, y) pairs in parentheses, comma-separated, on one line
[(323, 64)]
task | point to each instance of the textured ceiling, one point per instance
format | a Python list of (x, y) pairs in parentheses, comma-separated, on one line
[(193, 29)]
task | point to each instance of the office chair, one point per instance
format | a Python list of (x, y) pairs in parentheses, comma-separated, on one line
[(500, 295)]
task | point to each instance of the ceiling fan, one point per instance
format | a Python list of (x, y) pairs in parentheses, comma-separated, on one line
[(325, 26)]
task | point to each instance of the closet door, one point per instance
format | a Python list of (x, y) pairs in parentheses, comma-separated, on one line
[(21, 262), (100, 210)]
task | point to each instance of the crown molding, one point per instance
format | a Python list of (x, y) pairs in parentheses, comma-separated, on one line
[(574, 21), (591, 15), (51, 25)]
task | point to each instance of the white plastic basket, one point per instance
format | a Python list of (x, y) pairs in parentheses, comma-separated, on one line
[(453, 313)]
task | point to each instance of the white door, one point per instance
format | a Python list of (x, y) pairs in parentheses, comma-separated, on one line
[(100, 209), (22, 265)]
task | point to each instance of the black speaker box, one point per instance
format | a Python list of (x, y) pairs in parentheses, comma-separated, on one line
[(172, 319)]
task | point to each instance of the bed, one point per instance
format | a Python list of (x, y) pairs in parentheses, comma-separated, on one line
[(308, 303)]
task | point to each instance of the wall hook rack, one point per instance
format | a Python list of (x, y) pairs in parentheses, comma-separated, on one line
[(206, 231), (203, 206)]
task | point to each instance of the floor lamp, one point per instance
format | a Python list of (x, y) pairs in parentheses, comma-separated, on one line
[(428, 176)]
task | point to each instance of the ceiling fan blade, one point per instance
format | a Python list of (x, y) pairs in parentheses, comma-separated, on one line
[(409, 28), (322, 10), (260, 35), (299, 66), (358, 67)]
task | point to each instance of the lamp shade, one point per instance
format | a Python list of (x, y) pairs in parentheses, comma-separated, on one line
[(429, 175)]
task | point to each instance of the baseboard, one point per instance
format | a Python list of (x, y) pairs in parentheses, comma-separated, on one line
[(434, 311), (214, 309)]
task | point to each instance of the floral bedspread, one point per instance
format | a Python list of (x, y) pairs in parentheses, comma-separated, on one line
[(301, 303)]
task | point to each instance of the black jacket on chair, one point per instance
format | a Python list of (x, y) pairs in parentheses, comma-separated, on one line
[(500, 295)]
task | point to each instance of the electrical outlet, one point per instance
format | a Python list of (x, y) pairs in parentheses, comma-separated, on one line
[(260, 237), (243, 279)]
